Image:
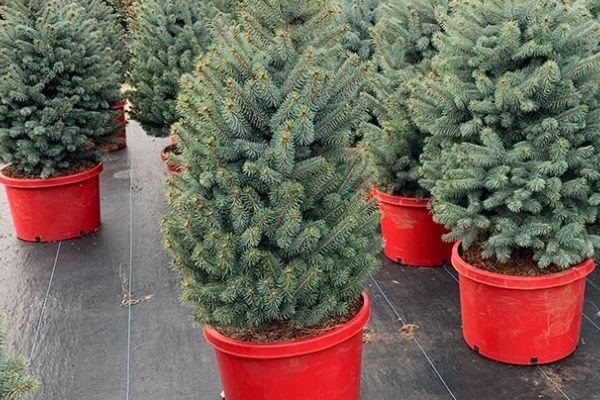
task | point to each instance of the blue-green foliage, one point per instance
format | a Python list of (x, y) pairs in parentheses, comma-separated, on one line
[(226, 6), (168, 37), (114, 34), (594, 6), (404, 48), (513, 161), (58, 83), (268, 220), (15, 383), (361, 15)]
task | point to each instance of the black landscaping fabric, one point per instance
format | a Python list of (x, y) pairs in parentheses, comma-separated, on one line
[(101, 320)]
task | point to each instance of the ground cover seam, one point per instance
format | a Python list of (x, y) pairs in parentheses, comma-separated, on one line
[(592, 284), (130, 280), (43, 310), (556, 386)]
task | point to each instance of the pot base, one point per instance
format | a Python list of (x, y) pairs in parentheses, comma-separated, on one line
[(120, 138), (120, 143)]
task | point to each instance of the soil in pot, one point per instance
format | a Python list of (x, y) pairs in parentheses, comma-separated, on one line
[(521, 263), (172, 149), (12, 172), (283, 331)]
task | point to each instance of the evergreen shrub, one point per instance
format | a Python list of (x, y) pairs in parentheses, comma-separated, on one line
[(513, 160), (267, 222), (168, 37), (404, 47), (58, 85)]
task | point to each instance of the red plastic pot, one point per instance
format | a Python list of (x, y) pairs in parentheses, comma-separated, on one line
[(171, 166), (325, 367), (48, 210), (521, 320), (120, 106), (120, 138), (411, 236)]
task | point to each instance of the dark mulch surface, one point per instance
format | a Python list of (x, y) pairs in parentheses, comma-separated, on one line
[(283, 331), (521, 263), (64, 305)]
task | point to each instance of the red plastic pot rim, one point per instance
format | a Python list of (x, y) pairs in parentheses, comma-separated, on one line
[(164, 153), (50, 182), (120, 105), (401, 200), (571, 275), (293, 348)]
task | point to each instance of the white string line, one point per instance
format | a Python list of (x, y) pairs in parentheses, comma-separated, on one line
[(591, 321), (592, 284), (130, 280), (43, 310), (450, 273), (399, 318), (556, 386)]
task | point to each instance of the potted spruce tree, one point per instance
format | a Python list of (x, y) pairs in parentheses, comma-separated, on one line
[(512, 164), (15, 382), (114, 46), (403, 38), (267, 226), (55, 109), (168, 37)]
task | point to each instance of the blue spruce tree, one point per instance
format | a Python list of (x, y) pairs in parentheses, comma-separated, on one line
[(404, 48), (267, 223), (114, 34), (57, 93), (168, 37), (513, 158)]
